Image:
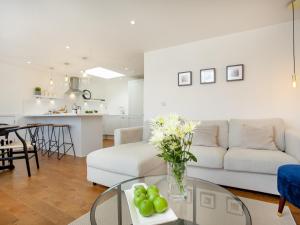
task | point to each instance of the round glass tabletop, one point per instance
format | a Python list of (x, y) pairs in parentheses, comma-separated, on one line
[(206, 204)]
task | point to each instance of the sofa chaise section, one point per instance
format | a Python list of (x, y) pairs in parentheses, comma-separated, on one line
[(109, 166)]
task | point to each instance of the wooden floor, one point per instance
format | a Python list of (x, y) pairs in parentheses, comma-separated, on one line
[(59, 193)]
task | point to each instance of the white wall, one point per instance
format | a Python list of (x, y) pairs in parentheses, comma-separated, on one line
[(265, 92), (17, 85)]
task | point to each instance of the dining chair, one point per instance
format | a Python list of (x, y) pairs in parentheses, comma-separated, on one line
[(14, 150), (2, 142)]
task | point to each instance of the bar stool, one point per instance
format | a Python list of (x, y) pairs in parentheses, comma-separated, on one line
[(41, 140), (58, 133), (40, 136), (35, 137)]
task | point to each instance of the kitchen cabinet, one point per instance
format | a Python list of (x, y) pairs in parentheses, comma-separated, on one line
[(9, 119), (112, 122), (136, 97)]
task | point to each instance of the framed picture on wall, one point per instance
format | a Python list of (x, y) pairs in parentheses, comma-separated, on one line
[(185, 78), (235, 72), (208, 76)]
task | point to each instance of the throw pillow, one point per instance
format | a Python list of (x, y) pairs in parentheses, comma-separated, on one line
[(258, 137), (206, 135)]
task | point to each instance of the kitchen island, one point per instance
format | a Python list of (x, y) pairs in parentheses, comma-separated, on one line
[(86, 129)]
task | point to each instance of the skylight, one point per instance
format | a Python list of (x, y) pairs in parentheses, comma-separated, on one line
[(103, 73)]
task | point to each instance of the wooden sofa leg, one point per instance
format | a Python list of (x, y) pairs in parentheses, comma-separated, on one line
[(281, 206)]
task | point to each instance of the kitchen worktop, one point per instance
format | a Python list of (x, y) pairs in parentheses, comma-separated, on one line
[(64, 115)]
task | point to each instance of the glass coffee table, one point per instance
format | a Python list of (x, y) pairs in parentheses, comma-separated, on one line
[(206, 204)]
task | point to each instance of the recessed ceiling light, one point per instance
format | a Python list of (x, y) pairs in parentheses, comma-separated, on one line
[(67, 47), (28, 62), (132, 22), (126, 68), (103, 73)]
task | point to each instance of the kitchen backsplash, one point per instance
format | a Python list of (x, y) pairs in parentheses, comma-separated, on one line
[(44, 105)]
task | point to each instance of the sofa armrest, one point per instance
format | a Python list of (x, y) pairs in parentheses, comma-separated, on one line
[(292, 141), (128, 135)]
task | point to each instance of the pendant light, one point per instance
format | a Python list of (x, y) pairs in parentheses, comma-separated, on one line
[(66, 76), (83, 73), (294, 77), (51, 82)]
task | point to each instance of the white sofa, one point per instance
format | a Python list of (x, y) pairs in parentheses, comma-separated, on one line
[(228, 164)]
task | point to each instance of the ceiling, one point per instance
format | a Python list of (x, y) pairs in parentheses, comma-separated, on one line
[(39, 30)]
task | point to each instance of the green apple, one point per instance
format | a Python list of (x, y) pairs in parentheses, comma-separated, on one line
[(139, 198), (160, 204), (146, 208), (140, 187), (152, 189), (139, 191), (152, 195)]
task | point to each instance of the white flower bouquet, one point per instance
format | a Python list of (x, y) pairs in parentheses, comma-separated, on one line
[(173, 135)]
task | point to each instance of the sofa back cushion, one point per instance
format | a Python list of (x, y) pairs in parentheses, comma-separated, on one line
[(235, 130), (222, 130), (206, 135), (258, 137)]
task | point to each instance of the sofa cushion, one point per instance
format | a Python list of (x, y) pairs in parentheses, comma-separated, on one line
[(258, 137), (256, 161), (209, 157), (134, 159), (206, 135), (235, 126), (222, 130)]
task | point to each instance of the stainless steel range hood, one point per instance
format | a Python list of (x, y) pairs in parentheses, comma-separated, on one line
[(74, 86)]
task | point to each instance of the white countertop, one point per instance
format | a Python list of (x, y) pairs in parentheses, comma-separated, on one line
[(65, 115), (8, 115)]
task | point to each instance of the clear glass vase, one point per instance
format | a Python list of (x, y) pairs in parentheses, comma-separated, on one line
[(177, 181)]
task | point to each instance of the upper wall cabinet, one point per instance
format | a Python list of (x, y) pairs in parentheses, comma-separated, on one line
[(136, 97)]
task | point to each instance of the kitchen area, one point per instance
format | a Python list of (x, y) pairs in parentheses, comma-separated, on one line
[(92, 107)]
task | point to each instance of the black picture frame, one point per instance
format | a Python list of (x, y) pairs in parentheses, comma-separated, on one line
[(214, 75), (238, 67), (186, 73)]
